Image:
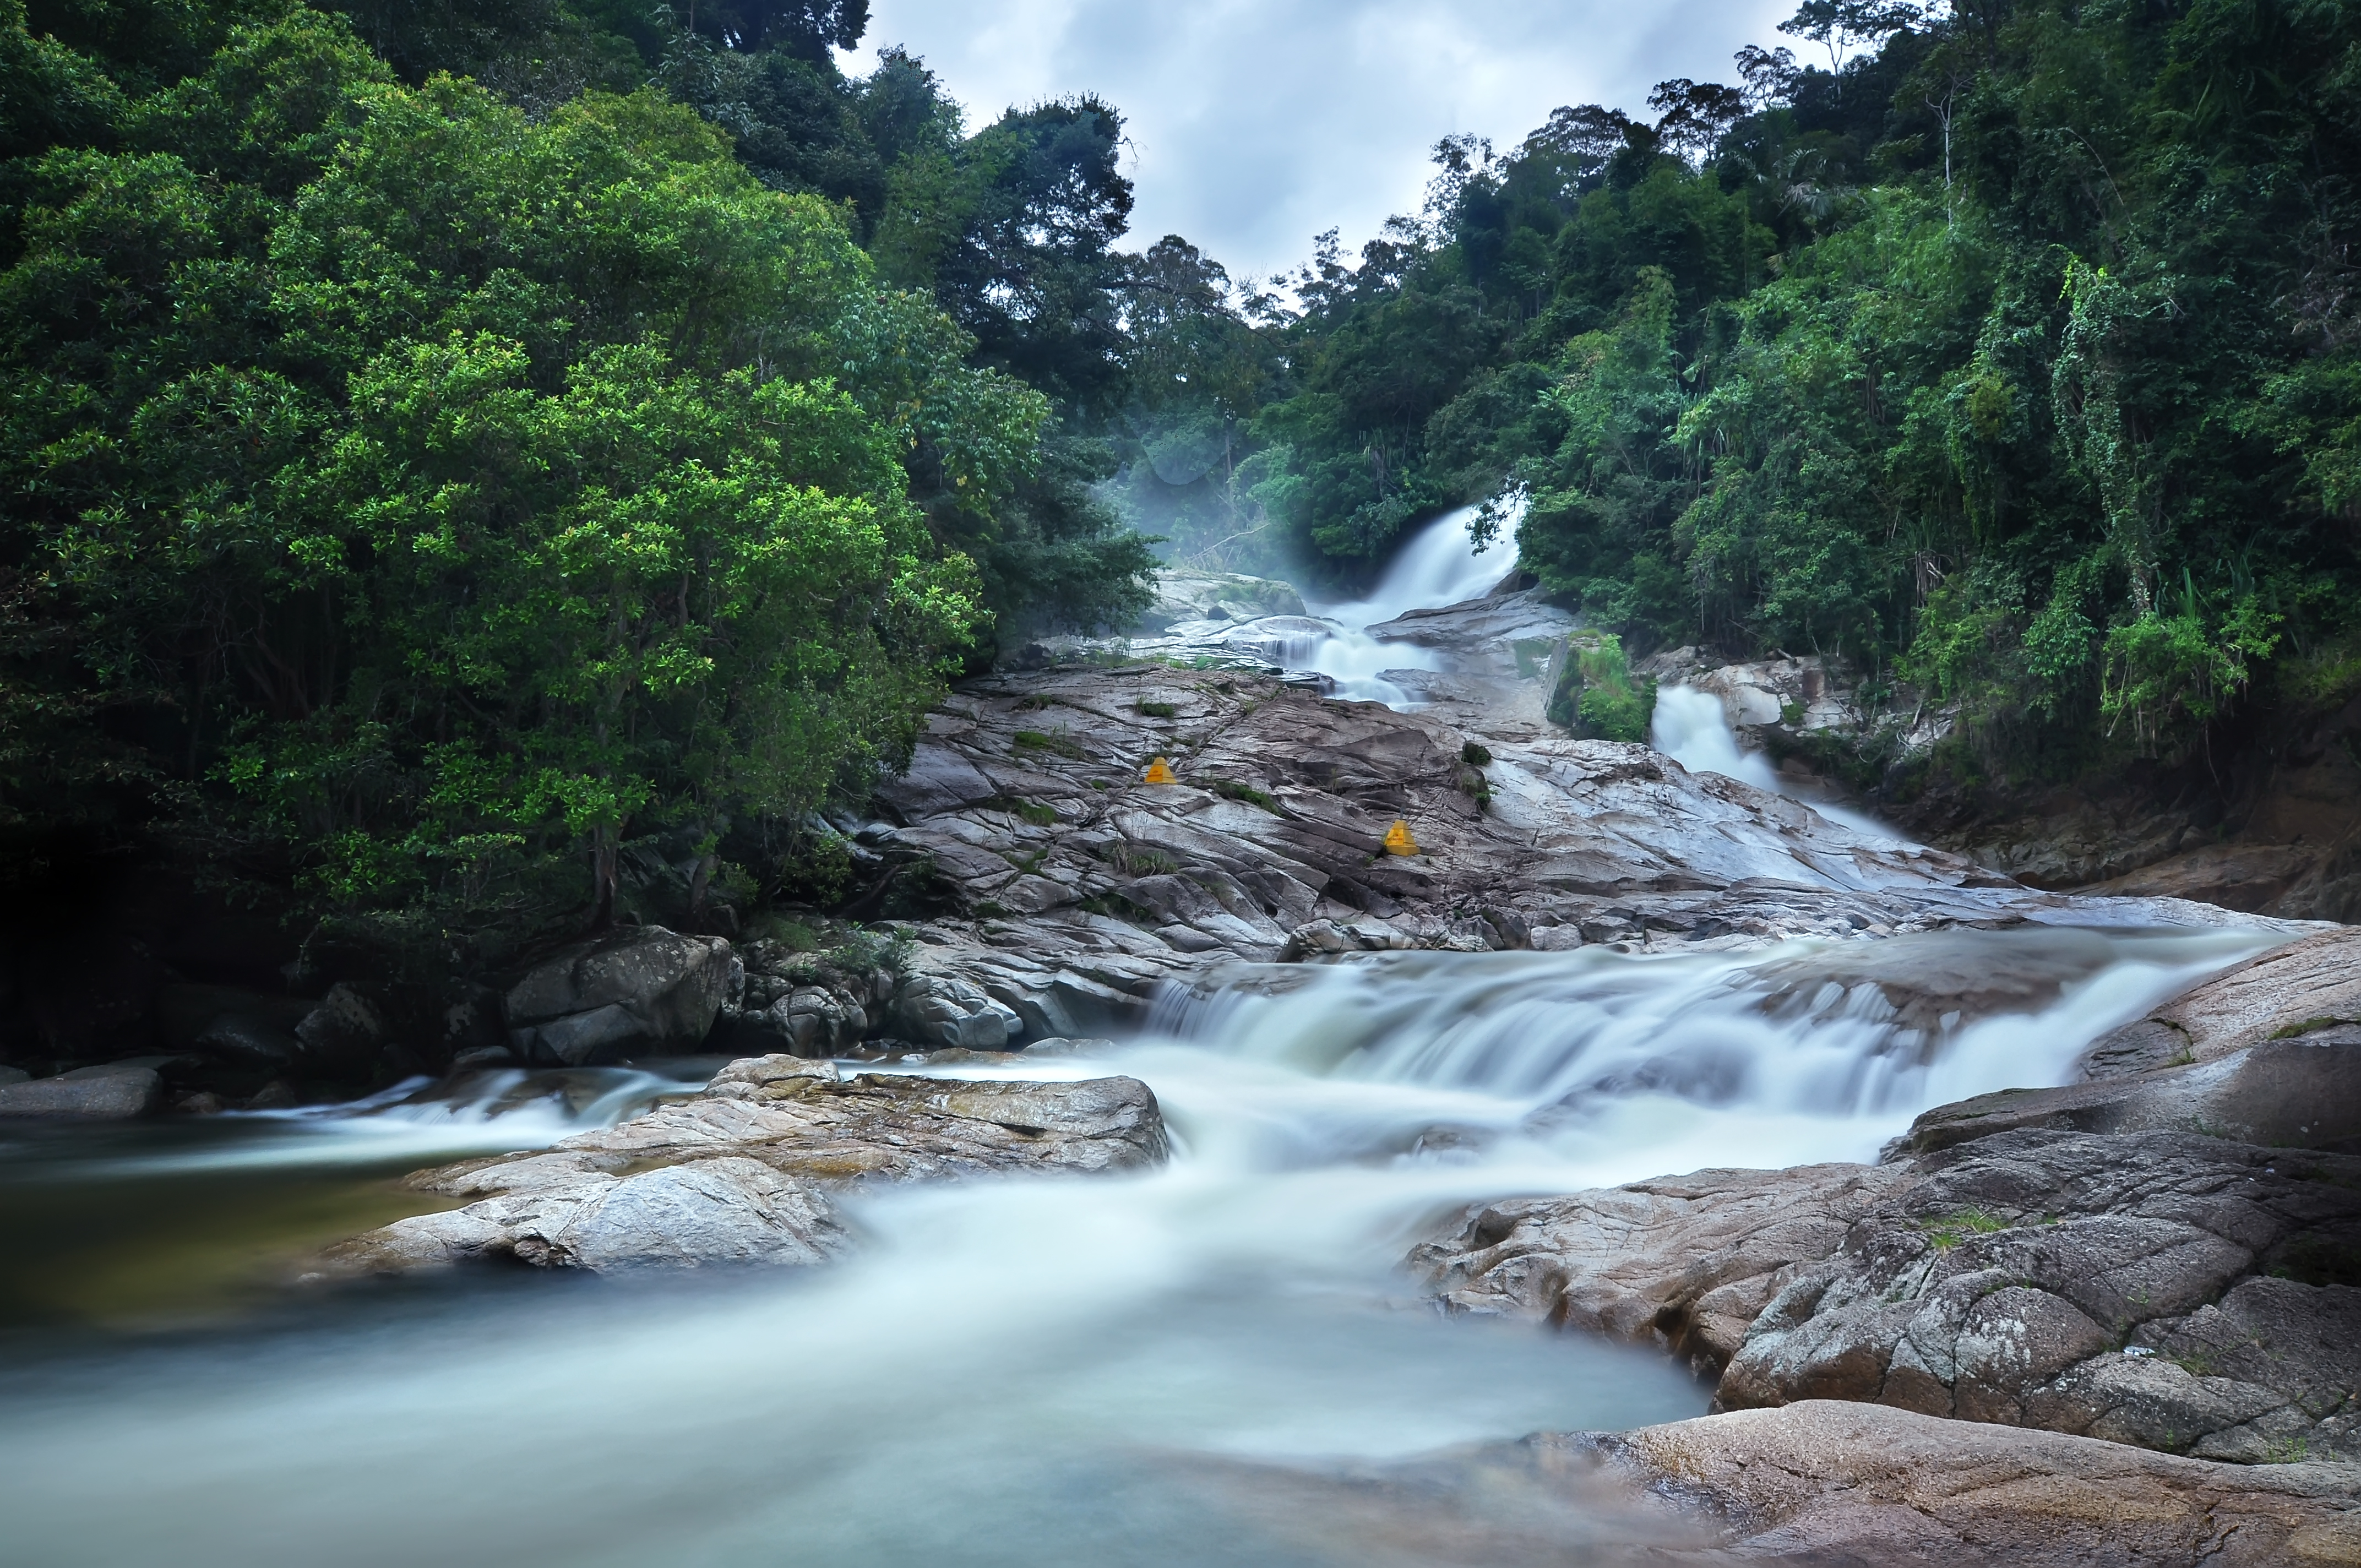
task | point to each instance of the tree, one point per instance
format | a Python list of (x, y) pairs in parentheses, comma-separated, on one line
[(1842, 27), (434, 497)]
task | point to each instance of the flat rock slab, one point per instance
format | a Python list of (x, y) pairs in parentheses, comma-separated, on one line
[(2174, 1291), (749, 1170), (1834, 1483), (2303, 988)]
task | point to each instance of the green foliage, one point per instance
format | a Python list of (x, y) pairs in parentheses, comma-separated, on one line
[(1230, 789), (1952, 1230), (1156, 709), (1138, 860), (2010, 349), (1596, 695), (1056, 745), (434, 493)]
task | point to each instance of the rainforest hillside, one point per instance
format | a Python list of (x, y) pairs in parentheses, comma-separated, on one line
[(2010, 350), (449, 444)]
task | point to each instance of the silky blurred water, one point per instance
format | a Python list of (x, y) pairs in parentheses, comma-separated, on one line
[(1441, 564), (1036, 1371)]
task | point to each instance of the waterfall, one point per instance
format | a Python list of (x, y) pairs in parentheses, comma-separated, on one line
[(1044, 1372), (1440, 566), (1692, 728)]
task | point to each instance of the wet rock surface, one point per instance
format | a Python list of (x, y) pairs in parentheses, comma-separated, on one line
[(1821, 1482), (2075, 1283), (2306, 987), (2268, 1053), (1077, 889), (112, 1092), (749, 1170)]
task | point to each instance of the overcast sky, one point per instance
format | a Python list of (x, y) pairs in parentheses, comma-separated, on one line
[(1255, 124)]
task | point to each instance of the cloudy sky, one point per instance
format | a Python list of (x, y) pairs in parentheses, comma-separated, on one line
[(1255, 124)]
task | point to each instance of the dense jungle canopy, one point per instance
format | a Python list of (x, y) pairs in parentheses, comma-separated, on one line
[(446, 443)]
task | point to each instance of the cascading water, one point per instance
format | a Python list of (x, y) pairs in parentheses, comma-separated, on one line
[(1692, 728), (1442, 565), (1063, 1371)]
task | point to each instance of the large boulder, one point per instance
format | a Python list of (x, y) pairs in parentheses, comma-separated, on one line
[(343, 1035), (640, 990), (110, 1094), (745, 1171), (942, 1010), (2168, 1289), (1186, 596)]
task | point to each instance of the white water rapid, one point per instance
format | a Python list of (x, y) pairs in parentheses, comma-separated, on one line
[(1043, 1372), (1441, 566)]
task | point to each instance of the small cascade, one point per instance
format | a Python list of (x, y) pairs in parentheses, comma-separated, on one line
[(1692, 728), (1441, 566)]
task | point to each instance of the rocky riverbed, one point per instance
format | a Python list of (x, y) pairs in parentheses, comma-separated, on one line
[(2055, 1321)]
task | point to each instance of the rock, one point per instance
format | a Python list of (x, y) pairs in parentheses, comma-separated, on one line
[(744, 1172), (943, 1010), (638, 990), (276, 1095), (719, 1211), (1186, 596), (1490, 626), (2031, 1278), (2303, 1093), (2298, 988), (110, 1094), (1834, 1483), (1072, 891), (1684, 1262), (1056, 1046), (185, 1013), (345, 1033), (9, 1075), (244, 1040)]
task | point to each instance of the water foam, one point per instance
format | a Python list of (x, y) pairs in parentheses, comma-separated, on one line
[(1057, 1371), (1441, 566)]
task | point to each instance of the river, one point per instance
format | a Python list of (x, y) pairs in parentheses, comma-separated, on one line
[(1036, 1372)]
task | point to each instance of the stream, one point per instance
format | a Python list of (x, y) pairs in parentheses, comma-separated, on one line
[(1036, 1372)]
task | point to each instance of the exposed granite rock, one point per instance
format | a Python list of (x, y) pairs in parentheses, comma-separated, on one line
[(2301, 1092), (1082, 889), (1484, 628), (2301, 989), (1839, 1485), (1187, 595), (1797, 696), (748, 1170), (1846, 1484), (640, 989), (2031, 1278), (114, 1092)]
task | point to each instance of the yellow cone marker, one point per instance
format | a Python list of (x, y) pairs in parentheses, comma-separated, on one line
[(1398, 839), (1160, 772)]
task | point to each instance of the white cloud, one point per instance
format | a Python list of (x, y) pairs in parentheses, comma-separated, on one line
[(1254, 125)]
